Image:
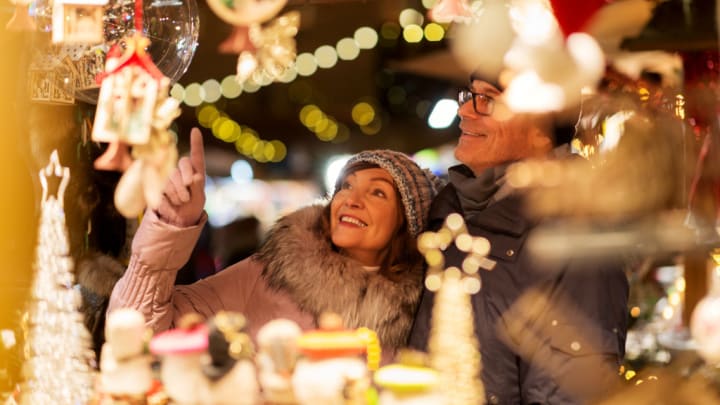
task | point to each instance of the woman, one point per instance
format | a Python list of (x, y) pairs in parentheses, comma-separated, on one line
[(356, 256)]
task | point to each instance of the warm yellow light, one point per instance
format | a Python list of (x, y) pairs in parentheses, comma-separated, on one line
[(680, 284), (229, 131), (413, 33), (280, 151), (216, 126), (372, 128), (434, 32), (363, 113), (635, 312), (207, 115), (313, 118), (305, 111), (329, 133)]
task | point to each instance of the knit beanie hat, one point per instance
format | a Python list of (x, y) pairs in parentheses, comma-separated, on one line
[(417, 186)]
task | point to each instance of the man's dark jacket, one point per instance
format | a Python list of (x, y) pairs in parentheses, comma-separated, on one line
[(548, 334)]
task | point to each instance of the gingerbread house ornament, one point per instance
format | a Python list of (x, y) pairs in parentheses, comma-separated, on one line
[(78, 21), (128, 95)]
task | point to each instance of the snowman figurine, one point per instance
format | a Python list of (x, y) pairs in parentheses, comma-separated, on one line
[(229, 367), (408, 382), (277, 355), (333, 370), (125, 366), (181, 352)]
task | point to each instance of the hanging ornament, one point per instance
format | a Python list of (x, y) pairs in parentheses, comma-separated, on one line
[(21, 20), (447, 11), (134, 110), (267, 50), (78, 21), (275, 44)]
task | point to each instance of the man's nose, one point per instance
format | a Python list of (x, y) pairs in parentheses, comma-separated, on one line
[(466, 110)]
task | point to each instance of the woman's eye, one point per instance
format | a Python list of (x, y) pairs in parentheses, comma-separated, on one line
[(345, 185), (379, 193)]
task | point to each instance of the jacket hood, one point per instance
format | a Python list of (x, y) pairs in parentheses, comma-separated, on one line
[(299, 259)]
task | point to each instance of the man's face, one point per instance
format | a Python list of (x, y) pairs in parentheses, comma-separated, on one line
[(490, 140)]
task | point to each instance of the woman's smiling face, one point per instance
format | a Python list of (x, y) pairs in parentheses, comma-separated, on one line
[(365, 213)]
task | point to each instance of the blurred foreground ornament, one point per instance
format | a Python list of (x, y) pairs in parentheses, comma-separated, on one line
[(78, 21), (21, 20), (58, 349), (705, 321), (409, 381), (277, 355), (332, 370), (269, 50), (453, 346), (124, 364), (134, 109)]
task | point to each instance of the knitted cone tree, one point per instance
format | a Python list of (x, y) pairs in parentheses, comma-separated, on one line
[(58, 354)]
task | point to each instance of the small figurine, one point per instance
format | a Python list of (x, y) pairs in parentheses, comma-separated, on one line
[(408, 382), (333, 371), (124, 364), (278, 352), (230, 370), (181, 352)]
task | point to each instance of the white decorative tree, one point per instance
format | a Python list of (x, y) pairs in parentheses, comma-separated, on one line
[(453, 347), (59, 360)]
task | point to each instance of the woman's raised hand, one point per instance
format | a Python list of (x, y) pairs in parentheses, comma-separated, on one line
[(184, 194)]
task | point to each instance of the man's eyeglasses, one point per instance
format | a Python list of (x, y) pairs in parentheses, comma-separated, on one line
[(482, 103)]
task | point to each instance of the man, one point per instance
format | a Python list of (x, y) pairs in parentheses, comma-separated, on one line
[(548, 334)]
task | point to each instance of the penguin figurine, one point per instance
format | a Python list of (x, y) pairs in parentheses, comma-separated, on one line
[(181, 352), (276, 358), (229, 368), (125, 372)]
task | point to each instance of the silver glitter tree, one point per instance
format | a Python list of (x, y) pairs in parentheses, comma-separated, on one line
[(59, 361)]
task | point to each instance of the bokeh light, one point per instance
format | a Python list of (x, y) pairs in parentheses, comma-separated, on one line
[(347, 49), (366, 37), (434, 32), (326, 56), (306, 64), (410, 16), (230, 87), (194, 95), (413, 33), (212, 90), (363, 113)]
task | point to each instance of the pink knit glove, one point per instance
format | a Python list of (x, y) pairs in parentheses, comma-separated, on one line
[(184, 195)]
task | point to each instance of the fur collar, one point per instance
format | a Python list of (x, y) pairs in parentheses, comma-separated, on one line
[(301, 261)]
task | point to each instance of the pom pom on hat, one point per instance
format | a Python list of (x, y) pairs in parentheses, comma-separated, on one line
[(417, 186)]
